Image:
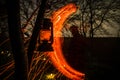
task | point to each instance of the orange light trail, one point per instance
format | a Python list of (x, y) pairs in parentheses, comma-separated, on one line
[(57, 58), (58, 18)]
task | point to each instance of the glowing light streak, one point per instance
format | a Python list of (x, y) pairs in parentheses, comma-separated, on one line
[(6, 78), (7, 67), (38, 66), (58, 18), (62, 69)]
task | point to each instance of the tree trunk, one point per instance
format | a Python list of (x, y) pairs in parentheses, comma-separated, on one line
[(15, 34), (36, 30), (91, 18)]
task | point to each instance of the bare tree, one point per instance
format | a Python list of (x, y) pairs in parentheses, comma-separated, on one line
[(95, 14), (38, 25), (15, 33)]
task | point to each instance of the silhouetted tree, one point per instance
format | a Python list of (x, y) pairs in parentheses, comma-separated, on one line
[(15, 34), (36, 29), (97, 18)]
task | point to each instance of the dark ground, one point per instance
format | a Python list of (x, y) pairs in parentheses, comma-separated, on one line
[(98, 58)]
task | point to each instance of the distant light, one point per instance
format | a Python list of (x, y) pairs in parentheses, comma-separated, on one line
[(9, 54), (44, 59), (50, 76), (2, 52)]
